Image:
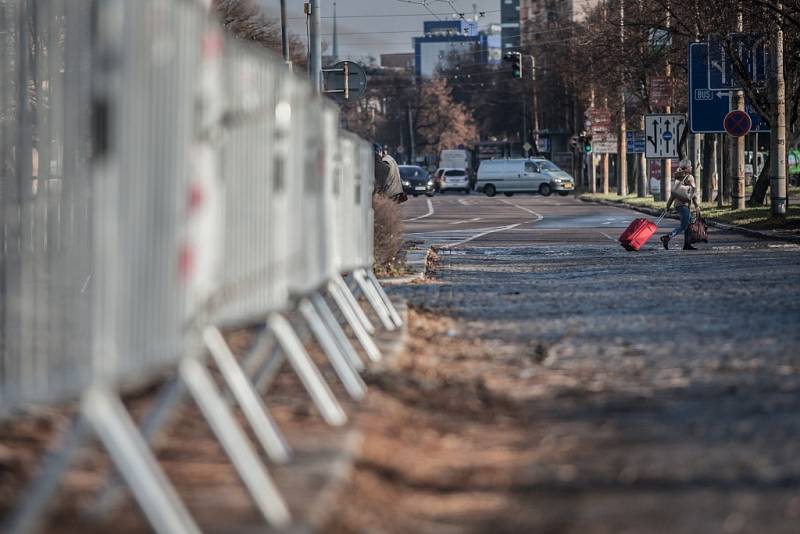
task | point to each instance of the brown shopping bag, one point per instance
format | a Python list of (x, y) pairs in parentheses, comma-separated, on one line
[(698, 230)]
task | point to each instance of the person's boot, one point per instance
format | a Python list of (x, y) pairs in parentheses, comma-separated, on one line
[(665, 241), (687, 246)]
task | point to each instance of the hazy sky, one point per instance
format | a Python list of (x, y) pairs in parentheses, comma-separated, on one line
[(374, 27)]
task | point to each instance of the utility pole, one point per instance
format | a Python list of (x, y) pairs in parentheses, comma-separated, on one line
[(592, 168), (644, 181), (605, 157), (644, 178), (335, 37), (413, 148), (314, 45), (666, 164), (524, 124), (622, 145), (284, 34), (535, 110), (777, 95), (697, 156), (721, 170), (738, 200)]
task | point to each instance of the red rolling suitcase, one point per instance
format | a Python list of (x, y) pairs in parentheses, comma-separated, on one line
[(638, 232)]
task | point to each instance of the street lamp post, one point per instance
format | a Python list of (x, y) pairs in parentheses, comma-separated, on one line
[(535, 106)]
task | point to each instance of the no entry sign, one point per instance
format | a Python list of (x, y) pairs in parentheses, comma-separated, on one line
[(737, 123)]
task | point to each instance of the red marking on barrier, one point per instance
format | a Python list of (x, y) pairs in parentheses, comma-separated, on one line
[(321, 162), (195, 199), (213, 43), (185, 262)]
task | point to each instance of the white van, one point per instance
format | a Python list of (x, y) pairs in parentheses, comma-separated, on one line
[(535, 175)]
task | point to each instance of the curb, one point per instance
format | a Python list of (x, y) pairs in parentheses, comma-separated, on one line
[(714, 224), (416, 261)]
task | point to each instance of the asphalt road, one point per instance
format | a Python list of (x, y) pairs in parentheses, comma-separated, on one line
[(456, 219), (667, 383)]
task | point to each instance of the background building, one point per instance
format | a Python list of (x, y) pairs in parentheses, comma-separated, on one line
[(536, 17), (509, 22), (448, 43), (402, 61)]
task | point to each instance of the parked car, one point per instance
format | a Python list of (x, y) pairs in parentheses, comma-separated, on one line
[(511, 176), (445, 179), (416, 180)]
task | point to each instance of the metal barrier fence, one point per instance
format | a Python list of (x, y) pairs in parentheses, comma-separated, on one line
[(159, 181)]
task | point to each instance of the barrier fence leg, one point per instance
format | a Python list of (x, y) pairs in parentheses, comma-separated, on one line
[(373, 353), (261, 349), (398, 321), (309, 375), (113, 492), (353, 303), (350, 379), (254, 409), (263, 377), (33, 502), (335, 328), (247, 463), (151, 488), (374, 300)]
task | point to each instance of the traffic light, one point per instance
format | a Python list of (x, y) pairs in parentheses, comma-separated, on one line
[(515, 58), (587, 144), (516, 65)]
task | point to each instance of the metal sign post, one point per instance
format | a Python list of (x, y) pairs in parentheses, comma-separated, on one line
[(635, 141), (605, 144), (737, 123), (708, 107), (751, 49), (345, 79), (663, 133)]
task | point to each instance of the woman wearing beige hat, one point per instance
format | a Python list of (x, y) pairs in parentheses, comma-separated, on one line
[(684, 195)]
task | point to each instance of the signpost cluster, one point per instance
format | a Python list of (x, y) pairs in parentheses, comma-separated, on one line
[(709, 104)]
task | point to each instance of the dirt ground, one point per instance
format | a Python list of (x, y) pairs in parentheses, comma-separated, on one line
[(477, 435), (187, 450)]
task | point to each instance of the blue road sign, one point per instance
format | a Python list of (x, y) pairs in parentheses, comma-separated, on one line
[(751, 48), (634, 140), (708, 107)]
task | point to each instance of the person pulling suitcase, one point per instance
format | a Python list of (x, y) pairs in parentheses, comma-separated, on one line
[(684, 195)]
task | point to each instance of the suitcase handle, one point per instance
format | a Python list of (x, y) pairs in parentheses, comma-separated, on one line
[(661, 218)]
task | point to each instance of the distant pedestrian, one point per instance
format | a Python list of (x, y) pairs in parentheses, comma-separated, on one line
[(684, 195), (387, 176)]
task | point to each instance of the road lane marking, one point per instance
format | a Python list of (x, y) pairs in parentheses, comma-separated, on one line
[(476, 219), (477, 236), (464, 202), (538, 216), (607, 236), (430, 212), (453, 231)]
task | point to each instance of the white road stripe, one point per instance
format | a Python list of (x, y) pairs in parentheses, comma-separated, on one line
[(476, 219), (538, 216), (430, 212), (476, 236), (455, 231), (607, 236)]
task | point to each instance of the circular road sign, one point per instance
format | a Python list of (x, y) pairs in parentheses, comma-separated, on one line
[(345, 79), (737, 123)]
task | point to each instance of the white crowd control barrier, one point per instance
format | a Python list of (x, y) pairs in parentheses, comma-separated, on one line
[(158, 182)]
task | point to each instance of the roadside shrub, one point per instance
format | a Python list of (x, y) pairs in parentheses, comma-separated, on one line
[(388, 238)]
